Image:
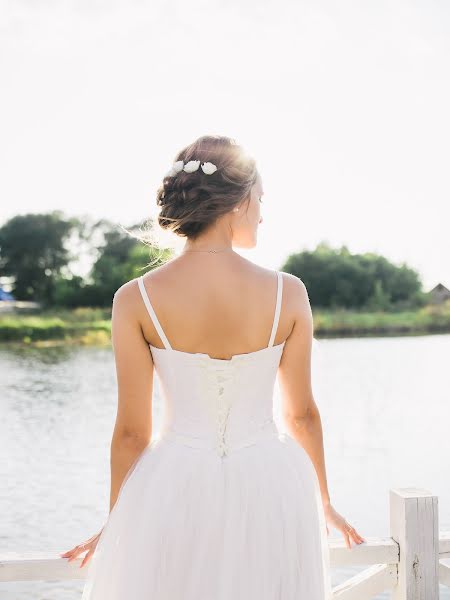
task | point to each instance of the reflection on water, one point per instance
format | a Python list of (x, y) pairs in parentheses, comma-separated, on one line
[(385, 411)]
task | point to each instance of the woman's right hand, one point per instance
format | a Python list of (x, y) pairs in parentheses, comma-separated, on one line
[(89, 546), (334, 519)]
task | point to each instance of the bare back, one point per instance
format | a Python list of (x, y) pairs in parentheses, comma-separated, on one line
[(220, 306), (217, 305)]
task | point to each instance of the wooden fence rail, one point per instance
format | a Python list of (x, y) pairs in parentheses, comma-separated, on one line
[(410, 562)]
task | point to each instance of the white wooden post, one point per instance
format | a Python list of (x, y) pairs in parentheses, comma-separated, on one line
[(414, 526)]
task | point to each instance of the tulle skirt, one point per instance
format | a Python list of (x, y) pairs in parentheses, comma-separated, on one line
[(190, 525)]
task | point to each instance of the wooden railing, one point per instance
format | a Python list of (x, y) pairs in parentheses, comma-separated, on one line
[(409, 562)]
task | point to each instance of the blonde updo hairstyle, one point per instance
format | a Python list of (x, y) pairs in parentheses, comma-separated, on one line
[(191, 202)]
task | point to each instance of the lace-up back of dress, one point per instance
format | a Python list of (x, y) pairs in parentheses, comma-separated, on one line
[(216, 400)]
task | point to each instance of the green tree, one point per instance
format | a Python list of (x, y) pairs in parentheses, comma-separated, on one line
[(70, 291), (380, 300), (120, 257), (336, 278), (34, 251)]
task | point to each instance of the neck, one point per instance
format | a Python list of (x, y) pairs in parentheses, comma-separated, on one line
[(205, 245)]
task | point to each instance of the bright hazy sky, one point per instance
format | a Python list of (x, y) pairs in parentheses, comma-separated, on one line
[(345, 106)]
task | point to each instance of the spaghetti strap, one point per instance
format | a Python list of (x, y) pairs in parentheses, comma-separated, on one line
[(152, 313), (276, 317)]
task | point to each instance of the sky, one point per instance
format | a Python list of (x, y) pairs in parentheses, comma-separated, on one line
[(344, 106)]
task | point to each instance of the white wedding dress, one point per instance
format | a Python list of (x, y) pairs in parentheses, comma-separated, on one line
[(220, 506)]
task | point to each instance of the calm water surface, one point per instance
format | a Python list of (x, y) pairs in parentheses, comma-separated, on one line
[(385, 411)]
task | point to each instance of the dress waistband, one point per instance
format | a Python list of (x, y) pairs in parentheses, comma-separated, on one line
[(223, 445)]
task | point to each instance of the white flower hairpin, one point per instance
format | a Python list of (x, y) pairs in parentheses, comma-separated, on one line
[(207, 167)]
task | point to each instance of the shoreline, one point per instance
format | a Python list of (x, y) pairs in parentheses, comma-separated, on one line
[(92, 326)]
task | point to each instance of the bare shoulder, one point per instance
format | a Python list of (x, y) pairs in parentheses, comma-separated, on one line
[(293, 284), (125, 292), (295, 295), (127, 298)]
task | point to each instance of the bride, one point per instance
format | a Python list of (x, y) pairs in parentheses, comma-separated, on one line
[(220, 505)]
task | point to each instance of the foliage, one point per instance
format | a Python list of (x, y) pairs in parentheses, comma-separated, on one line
[(121, 257), (32, 329), (33, 250), (38, 252), (336, 278), (344, 322)]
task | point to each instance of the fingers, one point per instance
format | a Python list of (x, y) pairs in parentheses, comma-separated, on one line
[(87, 558), (347, 539), (350, 533), (72, 554), (88, 546), (358, 539), (69, 553)]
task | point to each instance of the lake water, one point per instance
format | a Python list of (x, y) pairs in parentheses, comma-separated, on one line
[(385, 411)]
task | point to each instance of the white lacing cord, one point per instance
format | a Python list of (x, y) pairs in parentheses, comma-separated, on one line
[(217, 379)]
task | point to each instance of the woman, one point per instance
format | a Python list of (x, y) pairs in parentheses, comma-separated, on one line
[(221, 505)]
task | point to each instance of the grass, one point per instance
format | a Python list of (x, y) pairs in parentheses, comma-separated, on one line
[(80, 325), (92, 326), (343, 323)]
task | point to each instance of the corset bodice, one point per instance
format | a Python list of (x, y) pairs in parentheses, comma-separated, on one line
[(215, 403), (212, 403)]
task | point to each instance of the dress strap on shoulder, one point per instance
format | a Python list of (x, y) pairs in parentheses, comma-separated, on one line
[(276, 317), (152, 313)]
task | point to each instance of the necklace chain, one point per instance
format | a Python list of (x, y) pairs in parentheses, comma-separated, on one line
[(211, 251)]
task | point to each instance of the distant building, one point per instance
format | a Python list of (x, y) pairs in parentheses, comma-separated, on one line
[(8, 304), (6, 296), (439, 294)]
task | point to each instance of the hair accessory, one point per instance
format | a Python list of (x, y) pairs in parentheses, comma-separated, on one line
[(207, 167)]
